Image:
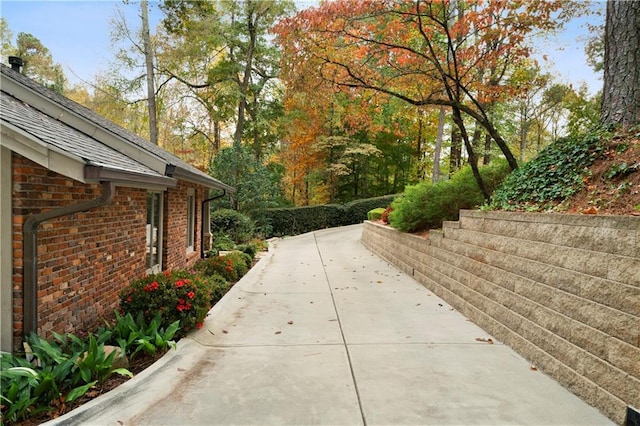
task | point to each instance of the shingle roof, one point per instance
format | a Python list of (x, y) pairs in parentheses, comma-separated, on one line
[(185, 170), (67, 139)]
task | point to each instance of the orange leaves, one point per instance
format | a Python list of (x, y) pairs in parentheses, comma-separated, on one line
[(372, 41)]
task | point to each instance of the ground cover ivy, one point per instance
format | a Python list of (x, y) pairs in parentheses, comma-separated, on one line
[(554, 175)]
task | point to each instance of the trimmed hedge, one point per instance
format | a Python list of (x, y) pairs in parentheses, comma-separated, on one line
[(376, 214), (427, 205), (298, 220)]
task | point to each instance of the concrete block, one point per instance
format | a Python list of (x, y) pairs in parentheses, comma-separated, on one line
[(611, 406), (588, 338), (625, 298), (623, 355), (576, 383), (614, 380), (625, 270)]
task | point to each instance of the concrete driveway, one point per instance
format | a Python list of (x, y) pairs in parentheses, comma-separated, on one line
[(323, 332)]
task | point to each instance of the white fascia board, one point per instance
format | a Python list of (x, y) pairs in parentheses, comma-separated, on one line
[(39, 152), (80, 123)]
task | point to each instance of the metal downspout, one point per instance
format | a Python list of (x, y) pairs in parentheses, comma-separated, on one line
[(206, 202), (30, 255)]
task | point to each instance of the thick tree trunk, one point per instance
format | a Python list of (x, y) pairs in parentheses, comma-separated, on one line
[(148, 60), (246, 77), (621, 93)]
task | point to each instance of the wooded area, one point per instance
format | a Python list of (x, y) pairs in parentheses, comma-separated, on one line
[(346, 100)]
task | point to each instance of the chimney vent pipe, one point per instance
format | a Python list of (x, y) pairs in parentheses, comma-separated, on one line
[(16, 63)]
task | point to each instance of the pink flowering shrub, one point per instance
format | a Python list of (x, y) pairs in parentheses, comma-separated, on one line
[(176, 295)]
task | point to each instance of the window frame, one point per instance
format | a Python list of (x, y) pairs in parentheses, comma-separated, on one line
[(191, 221), (159, 228)]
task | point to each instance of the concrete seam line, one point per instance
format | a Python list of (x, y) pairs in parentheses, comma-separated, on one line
[(346, 347)]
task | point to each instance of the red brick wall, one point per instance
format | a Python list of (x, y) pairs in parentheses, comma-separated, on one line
[(85, 259), (175, 218)]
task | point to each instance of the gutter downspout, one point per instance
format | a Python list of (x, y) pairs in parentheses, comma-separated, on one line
[(30, 255), (206, 203)]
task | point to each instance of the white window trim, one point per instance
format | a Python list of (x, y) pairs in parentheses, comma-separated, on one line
[(158, 266)]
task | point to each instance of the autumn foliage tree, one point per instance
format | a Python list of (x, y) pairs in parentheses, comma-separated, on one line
[(454, 54)]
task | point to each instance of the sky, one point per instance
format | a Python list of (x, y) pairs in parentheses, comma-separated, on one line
[(77, 32)]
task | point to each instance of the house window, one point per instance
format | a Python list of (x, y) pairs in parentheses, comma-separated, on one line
[(191, 220), (154, 232)]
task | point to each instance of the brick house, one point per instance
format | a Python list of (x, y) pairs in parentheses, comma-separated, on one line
[(85, 207)]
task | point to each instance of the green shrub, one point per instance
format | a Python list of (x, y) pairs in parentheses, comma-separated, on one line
[(356, 211), (555, 174), (219, 287), (222, 242), (250, 248), (298, 220), (240, 261), (375, 214), (219, 265), (176, 296), (427, 205), (239, 227), (231, 266)]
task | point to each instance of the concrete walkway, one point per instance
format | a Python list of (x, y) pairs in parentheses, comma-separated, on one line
[(321, 331)]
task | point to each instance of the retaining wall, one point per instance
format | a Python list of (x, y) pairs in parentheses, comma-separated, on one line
[(562, 290)]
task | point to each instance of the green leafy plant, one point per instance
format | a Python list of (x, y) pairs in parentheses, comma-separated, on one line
[(251, 248), (52, 373), (375, 214), (237, 226), (18, 380), (95, 365), (232, 266), (135, 336), (217, 265), (219, 287), (555, 174), (427, 205), (174, 295), (221, 242), (240, 261), (617, 170)]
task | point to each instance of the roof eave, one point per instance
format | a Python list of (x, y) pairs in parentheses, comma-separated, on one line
[(99, 173), (209, 182)]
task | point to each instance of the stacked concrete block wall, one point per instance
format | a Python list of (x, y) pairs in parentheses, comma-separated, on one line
[(562, 290)]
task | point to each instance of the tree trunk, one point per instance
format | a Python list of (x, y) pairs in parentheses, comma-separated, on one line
[(216, 136), (487, 150), (248, 68), (455, 154), (621, 93), (473, 160), (438, 148), (148, 60), (476, 141), (524, 130)]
